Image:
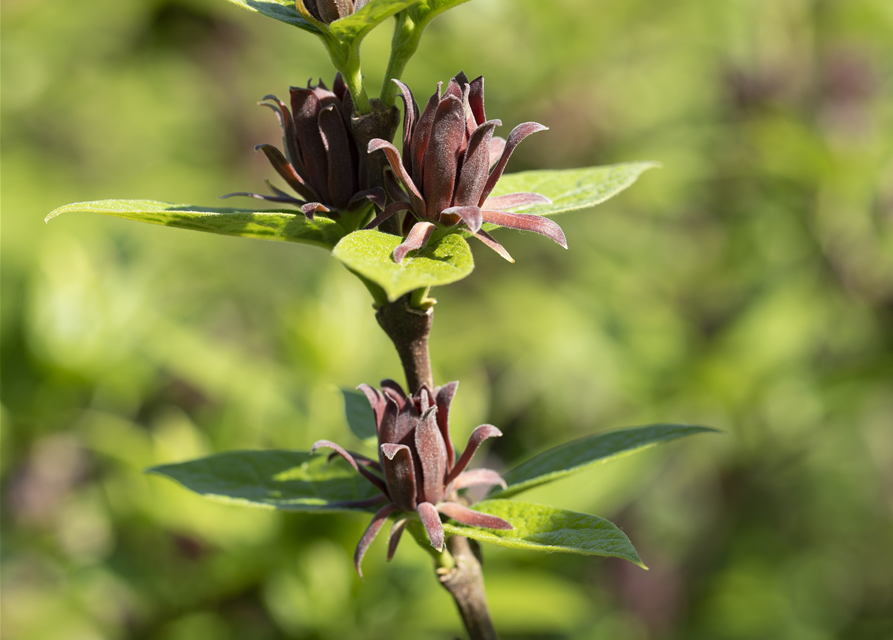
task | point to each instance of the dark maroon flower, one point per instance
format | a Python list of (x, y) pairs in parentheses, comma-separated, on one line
[(330, 10), (450, 164), (417, 470), (320, 161)]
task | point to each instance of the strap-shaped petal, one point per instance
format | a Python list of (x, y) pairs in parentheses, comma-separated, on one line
[(471, 216), (390, 210), (289, 133), (491, 242), (417, 238), (497, 146), (442, 156), (399, 472), (359, 458), (444, 396), (472, 518), (475, 167), (515, 137), (527, 222), (511, 200), (433, 526), (369, 535), (396, 388), (341, 168), (432, 454), (376, 402), (476, 99), (305, 108), (311, 208), (410, 116), (477, 437), (376, 195), (388, 429), (393, 156), (277, 191), (394, 538), (285, 169), (478, 478), (407, 420), (371, 477), (422, 135)]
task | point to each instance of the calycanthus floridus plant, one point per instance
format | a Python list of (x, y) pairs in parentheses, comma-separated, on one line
[(399, 220)]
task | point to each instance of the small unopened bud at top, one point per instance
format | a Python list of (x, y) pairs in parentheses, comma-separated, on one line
[(330, 10)]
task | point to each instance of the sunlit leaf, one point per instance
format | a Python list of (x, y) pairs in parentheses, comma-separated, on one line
[(543, 528), (581, 454), (358, 24), (266, 225), (571, 189), (292, 480), (283, 11), (359, 414), (368, 253)]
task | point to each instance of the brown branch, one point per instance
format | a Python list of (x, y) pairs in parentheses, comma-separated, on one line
[(408, 329), (465, 582)]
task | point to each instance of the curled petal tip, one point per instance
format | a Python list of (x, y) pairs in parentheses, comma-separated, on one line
[(377, 143)]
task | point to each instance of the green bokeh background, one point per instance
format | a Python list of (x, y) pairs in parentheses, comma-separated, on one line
[(748, 285)]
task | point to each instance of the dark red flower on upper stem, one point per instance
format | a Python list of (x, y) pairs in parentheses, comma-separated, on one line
[(417, 471), (450, 164), (321, 162)]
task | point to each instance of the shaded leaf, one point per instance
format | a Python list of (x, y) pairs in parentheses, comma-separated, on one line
[(543, 528), (369, 254), (358, 24), (359, 414), (571, 189), (266, 225), (283, 11), (275, 479), (581, 454)]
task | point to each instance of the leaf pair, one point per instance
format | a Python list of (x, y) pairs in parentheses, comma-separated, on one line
[(297, 481), (368, 253)]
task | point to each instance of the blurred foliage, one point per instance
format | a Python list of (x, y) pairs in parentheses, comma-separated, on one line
[(748, 285)]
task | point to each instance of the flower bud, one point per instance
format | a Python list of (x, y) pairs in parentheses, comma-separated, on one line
[(330, 10)]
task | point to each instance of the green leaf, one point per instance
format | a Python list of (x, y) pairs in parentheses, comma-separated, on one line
[(357, 25), (572, 189), (544, 528), (266, 225), (368, 253), (283, 11), (359, 414), (577, 455), (292, 480)]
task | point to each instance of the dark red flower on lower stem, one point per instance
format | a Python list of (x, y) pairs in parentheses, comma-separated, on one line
[(321, 162), (450, 164), (417, 470)]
